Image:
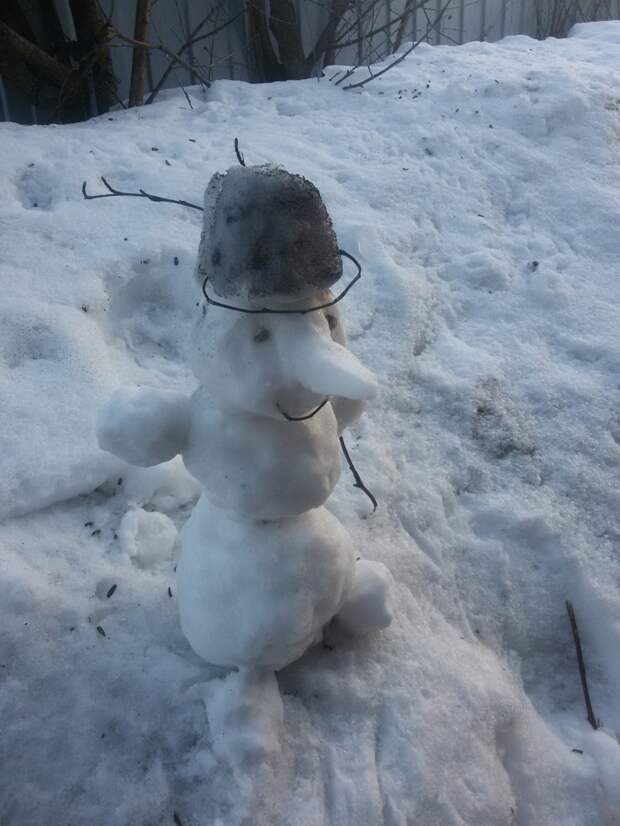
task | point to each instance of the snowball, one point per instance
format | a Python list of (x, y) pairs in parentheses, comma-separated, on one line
[(260, 592), (259, 466), (144, 425), (147, 537), (368, 606), (164, 487)]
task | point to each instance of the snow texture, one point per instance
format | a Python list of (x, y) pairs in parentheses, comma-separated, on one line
[(479, 188)]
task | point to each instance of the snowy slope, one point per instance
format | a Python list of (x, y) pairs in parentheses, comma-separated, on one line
[(480, 188)]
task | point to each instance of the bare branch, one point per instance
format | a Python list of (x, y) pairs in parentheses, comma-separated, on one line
[(187, 97), (358, 479), (325, 41), (113, 193), (434, 25), (240, 157), (192, 40), (582, 666), (367, 35), (114, 32), (358, 21)]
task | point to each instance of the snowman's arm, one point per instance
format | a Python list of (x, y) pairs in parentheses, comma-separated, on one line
[(144, 426), (346, 411)]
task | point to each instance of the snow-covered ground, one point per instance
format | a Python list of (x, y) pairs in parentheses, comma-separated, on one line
[(480, 188)]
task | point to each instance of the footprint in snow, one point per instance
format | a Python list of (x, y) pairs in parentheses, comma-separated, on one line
[(37, 187), (498, 425)]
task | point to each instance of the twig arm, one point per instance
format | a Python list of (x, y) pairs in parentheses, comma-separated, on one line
[(358, 479), (114, 193)]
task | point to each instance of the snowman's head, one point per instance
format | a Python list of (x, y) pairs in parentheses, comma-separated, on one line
[(279, 366), (266, 233)]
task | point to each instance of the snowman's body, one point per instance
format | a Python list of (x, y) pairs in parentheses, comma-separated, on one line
[(260, 593), (264, 566)]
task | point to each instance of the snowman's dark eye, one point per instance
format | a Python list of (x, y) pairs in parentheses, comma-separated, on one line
[(262, 335)]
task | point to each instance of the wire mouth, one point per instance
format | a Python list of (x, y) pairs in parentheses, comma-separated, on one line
[(275, 311), (302, 418)]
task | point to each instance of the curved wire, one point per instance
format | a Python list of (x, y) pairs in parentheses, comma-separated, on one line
[(273, 311), (302, 418)]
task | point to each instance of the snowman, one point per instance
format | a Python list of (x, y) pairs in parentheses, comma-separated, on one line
[(264, 566)]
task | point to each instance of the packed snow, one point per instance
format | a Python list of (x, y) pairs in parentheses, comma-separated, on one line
[(479, 187), (263, 567)]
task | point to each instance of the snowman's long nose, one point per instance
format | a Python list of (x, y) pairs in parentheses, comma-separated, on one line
[(320, 364)]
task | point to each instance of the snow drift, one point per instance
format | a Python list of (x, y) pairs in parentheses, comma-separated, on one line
[(479, 187)]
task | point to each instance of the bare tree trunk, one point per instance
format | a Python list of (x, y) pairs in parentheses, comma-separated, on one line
[(138, 64), (91, 30), (402, 28), (265, 63), (39, 75), (284, 27), (324, 48), (290, 62)]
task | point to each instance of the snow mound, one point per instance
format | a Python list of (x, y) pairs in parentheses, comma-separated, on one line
[(479, 188)]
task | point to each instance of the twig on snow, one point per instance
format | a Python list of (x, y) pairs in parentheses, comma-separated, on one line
[(240, 157), (582, 666), (187, 97)]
